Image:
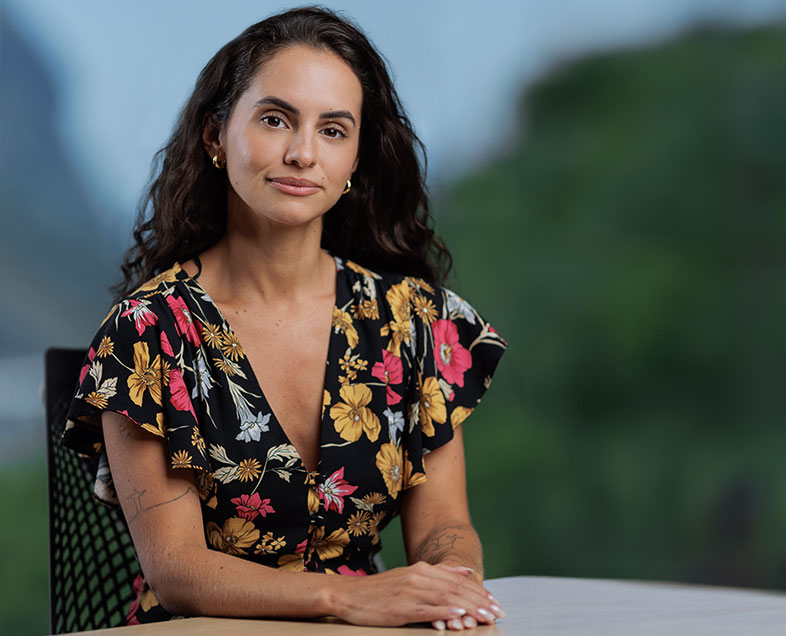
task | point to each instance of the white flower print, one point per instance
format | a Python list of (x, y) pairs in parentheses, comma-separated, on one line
[(395, 424), (252, 427), (203, 380), (456, 304)]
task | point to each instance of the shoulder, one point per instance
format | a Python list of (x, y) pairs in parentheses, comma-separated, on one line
[(148, 298)]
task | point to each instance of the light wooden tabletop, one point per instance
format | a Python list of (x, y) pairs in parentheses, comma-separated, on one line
[(546, 606)]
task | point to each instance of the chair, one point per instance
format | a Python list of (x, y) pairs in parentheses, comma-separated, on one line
[(92, 563)]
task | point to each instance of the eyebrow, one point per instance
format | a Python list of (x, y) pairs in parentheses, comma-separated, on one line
[(285, 105)]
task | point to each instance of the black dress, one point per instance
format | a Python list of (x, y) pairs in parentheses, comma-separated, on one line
[(407, 363)]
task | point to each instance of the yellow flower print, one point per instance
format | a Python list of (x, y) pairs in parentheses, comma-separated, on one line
[(331, 546), (230, 346), (343, 322), (169, 276), (147, 376), (398, 299), (236, 535), (206, 486), (419, 282), (96, 399), (459, 414), (181, 459), (197, 439), (358, 523), (425, 309), (291, 562), (353, 417), (325, 400), (394, 468), (106, 348), (269, 545), (211, 334), (313, 499), (248, 469), (432, 404), (399, 333), (366, 309), (158, 429), (373, 526), (361, 270), (410, 478), (374, 498), (226, 367)]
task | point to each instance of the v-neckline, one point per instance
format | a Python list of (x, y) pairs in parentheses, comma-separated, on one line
[(255, 379)]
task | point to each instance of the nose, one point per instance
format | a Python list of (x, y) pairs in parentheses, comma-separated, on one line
[(302, 151)]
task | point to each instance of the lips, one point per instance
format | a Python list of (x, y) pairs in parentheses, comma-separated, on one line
[(294, 186)]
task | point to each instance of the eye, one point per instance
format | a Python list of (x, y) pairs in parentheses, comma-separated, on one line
[(273, 121), (333, 132)]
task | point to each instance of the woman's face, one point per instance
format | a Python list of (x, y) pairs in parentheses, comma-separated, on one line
[(291, 140)]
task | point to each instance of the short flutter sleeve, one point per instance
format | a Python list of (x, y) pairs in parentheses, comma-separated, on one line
[(131, 369), (455, 354)]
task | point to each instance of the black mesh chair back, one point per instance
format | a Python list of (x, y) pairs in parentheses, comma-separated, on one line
[(92, 564)]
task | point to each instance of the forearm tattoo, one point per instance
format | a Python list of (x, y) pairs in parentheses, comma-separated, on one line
[(439, 545), (134, 506)]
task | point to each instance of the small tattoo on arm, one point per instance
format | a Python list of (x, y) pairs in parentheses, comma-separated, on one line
[(436, 547), (134, 506)]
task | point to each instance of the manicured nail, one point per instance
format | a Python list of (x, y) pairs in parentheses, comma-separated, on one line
[(469, 622), (439, 625), (498, 610), (463, 568), (458, 611), (493, 598), (488, 616), (455, 623)]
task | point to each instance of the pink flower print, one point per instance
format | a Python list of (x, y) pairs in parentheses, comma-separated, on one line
[(90, 356), (347, 571), (183, 320), (390, 372), (249, 506), (141, 315), (452, 358), (333, 490), (166, 347), (177, 387)]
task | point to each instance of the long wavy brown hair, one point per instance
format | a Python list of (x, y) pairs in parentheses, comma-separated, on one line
[(384, 220)]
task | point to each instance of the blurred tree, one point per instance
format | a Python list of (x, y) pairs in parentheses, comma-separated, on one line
[(631, 248)]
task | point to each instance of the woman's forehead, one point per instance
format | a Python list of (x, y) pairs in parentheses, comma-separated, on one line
[(307, 78)]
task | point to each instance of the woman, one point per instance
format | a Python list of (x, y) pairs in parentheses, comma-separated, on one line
[(266, 397)]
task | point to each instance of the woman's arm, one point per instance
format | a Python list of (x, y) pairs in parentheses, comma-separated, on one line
[(165, 519), (435, 518)]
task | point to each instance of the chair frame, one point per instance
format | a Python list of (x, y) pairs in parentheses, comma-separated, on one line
[(92, 562)]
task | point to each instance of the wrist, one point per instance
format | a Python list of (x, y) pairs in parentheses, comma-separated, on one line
[(329, 596)]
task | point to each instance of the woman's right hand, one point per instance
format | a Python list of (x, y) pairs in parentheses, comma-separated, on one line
[(441, 594)]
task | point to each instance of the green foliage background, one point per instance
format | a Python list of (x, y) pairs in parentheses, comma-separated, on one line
[(630, 247)]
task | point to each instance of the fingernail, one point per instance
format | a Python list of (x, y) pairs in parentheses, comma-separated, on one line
[(455, 623), (439, 625), (469, 622), (458, 611), (488, 616), (493, 598), (498, 610)]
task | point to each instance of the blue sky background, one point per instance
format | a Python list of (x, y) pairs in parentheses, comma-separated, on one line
[(123, 69)]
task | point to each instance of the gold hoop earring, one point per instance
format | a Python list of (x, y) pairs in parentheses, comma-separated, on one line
[(349, 186), (219, 163)]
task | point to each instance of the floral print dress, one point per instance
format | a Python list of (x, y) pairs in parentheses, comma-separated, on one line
[(407, 363)]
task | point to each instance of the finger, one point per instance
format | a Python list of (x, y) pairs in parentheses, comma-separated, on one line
[(455, 624), (439, 625), (469, 622)]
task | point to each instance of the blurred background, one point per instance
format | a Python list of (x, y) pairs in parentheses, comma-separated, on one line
[(609, 175)]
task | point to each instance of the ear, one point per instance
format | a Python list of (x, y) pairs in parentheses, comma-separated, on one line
[(211, 135)]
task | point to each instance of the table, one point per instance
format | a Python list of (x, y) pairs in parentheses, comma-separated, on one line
[(546, 606)]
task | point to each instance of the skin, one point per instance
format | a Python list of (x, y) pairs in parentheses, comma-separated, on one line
[(270, 266)]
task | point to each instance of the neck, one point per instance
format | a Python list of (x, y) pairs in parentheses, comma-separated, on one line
[(277, 265)]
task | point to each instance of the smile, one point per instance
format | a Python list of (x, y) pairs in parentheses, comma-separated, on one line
[(297, 187)]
